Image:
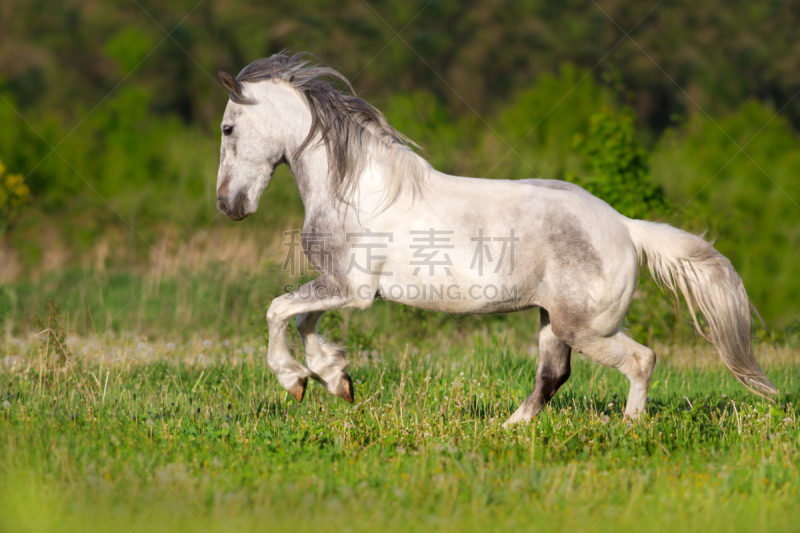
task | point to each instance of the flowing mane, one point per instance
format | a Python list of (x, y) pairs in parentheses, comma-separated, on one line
[(351, 129)]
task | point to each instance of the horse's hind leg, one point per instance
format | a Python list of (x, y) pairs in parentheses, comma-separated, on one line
[(554, 370), (626, 355), (326, 361)]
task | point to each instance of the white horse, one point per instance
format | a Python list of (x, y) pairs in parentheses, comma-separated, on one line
[(380, 222)]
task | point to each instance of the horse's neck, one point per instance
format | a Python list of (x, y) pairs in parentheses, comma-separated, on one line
[(310, 170)]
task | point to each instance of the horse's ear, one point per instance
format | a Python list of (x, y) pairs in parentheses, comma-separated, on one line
[(229, 82)]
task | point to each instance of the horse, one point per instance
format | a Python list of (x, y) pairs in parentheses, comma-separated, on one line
[(381, 222)]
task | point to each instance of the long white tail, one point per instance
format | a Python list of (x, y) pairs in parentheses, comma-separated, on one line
[(689, 264)]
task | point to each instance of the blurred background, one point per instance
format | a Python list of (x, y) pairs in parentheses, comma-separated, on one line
[(677, 111)]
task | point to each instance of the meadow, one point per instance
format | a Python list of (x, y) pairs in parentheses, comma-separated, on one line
[(131, 433)]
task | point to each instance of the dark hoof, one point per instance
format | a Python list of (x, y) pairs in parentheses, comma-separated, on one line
[(299, 389)]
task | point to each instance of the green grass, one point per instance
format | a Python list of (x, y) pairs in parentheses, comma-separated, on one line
[(137, 435)]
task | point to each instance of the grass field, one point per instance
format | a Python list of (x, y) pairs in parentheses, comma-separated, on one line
[(196, 435)]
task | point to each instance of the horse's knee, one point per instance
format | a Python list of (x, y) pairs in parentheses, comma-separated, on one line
[(275, 315)]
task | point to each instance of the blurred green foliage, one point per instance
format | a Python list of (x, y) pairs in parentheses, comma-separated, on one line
[(15, 196), (112, 111), (620, 172), (55, 55), (746, 200), (536, 128)]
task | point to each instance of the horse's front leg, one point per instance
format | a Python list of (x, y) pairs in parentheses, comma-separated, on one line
[(318, 296), (327, 361)]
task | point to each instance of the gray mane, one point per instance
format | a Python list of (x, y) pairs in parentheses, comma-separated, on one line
[(347, 125)]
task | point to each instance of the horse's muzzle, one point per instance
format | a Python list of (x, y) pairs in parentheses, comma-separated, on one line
[(233, 209)]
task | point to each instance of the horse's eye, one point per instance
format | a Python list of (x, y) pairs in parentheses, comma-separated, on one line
[(227, 130)]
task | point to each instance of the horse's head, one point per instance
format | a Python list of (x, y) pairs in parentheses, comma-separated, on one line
[(255, 127), (283, 108)]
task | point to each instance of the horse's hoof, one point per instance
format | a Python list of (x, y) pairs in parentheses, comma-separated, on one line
[(346, 390), (514, 419), (299, 389)]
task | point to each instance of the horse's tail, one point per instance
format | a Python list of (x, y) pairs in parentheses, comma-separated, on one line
[(689, 264)]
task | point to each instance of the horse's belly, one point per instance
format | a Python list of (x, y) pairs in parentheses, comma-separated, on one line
[(470, 297)]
